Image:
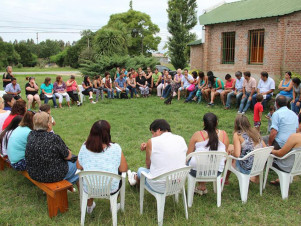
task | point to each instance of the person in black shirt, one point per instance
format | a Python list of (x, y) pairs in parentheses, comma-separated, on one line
[(46, 153), (7, 76), (31, 90), (141, 83)]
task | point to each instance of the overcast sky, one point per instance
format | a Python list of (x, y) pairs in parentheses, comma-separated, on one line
[(31, 16)]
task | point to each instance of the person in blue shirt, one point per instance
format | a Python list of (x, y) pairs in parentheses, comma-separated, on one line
[(284, 123), (14, 89), (120, 85), (17, 142), (47, 91), (237, 92)]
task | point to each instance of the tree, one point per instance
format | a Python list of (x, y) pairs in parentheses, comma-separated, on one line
[(131, 5), (49, 48), (28, 59), (139, 30), (182, 18), (8, 54)]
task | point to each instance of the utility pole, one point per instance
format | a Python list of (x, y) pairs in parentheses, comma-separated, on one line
[(37, 38)]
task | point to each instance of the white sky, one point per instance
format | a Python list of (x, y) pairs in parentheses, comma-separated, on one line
[(75, 15)]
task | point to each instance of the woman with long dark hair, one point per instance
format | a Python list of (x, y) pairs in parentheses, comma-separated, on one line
[(17, 142), (99, 153), (88, 88), (208, 139), (5, 135)]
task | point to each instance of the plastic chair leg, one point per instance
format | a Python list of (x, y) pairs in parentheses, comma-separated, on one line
[(177, 197), (113, 202), (142, 184), (122, 195), (83, 208), (160, 208), (185, 202), (218, 191), (284, 185), (260, 183), (244, 187), (190, 190), (214, 187)]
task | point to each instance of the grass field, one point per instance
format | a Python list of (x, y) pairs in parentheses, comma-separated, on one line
[(21, 203)]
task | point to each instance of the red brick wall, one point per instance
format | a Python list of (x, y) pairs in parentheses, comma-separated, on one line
[(196, 57), (292, 43), (282, 46)]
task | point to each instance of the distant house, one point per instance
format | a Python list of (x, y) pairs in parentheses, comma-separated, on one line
[(254, 35), (161, 57)]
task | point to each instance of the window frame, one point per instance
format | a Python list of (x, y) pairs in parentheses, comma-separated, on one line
[(259, 32), (225, 35)]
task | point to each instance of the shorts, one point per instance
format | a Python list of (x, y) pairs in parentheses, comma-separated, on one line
[(219, 90), (240, 169), (183, 88), (70, 176), (257, 124)]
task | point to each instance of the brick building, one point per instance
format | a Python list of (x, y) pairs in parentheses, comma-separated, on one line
[(254, 35)]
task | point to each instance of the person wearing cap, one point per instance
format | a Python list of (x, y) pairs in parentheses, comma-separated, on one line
[(14, 89), (31, 91)]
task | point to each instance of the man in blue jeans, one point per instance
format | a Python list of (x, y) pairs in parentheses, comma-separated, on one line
[(266, 86), (249, 86), (237, 92)]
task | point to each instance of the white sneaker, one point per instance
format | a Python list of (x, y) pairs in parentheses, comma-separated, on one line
[(131, 178), (93, 102), (91, 208), (239, 113), (243, 113)]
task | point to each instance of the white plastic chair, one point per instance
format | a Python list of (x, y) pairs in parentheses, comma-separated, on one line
[(98, 185), (2, 92), (174, 184), (285, 178), (81, 95), (207, 165), (260, 157)]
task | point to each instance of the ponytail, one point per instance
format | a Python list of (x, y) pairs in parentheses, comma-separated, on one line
[(210, 124)]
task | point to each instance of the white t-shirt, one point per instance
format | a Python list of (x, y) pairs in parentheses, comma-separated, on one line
[(186, 83), (104, 80), (265, 86), (168, 153), (3, 116)]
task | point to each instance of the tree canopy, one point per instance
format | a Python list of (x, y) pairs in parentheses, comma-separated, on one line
[(182, 17)]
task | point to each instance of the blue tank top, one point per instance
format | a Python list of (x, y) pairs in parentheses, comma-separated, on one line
[(286, 93)]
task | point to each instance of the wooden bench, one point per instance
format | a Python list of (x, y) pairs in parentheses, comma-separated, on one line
[(57, 198)]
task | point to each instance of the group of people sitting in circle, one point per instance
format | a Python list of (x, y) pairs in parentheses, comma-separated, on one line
[(29, 142)]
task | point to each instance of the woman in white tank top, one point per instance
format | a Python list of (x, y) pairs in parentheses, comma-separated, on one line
[(209, 139)]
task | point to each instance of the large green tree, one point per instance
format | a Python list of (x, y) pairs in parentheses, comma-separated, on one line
[(182, 17), (138, 30), (8, 54), (28, 59)]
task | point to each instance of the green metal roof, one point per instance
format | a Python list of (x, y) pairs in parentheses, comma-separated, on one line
[(249, 9), (195, 43)]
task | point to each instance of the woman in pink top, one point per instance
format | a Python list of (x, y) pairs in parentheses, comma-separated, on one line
[(229, 86), (72, 89), (176, 83)]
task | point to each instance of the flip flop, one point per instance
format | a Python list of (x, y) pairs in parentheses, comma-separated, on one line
[(275, 182)]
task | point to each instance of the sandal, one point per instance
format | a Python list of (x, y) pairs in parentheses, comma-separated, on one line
[(275, 182)]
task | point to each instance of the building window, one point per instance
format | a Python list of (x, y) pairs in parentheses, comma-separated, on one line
[(256, 47), (228, 47)]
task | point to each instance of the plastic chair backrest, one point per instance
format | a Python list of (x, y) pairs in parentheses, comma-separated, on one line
[(207, 163), (81, 88), (96, 183), (297, 164), (260, 157), (174, 180)]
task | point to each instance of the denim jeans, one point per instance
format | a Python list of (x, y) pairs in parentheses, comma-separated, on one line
[(294, 106), (110, 93), (132, 90), (191, 94), (238, 98), (53, 99), (166, 91), (264, 102), (242, 103)]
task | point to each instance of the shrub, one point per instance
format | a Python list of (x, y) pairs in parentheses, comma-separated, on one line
[(19, 65)]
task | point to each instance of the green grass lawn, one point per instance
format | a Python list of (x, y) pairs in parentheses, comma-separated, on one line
[(22, 203)]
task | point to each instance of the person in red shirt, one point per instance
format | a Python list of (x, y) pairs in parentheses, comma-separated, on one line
[(258, 109), (19, 108)]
